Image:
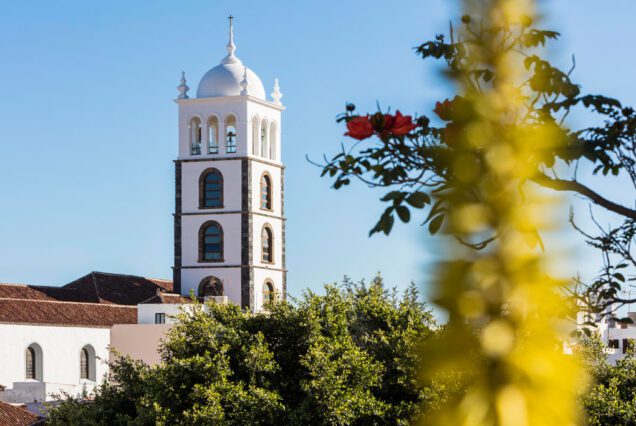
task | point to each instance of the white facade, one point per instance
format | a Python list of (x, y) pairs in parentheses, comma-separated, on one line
[(60, 360), (230, 130)]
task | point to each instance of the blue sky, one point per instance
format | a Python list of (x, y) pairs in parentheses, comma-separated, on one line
[(88, 127)]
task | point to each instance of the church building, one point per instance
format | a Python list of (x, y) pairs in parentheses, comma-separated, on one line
[(229, 247)]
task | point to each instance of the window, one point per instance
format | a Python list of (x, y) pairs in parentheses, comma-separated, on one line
[(211, 189), (30, 363), (264, 150), (33, 362), (266, 192), (272, 141), (84, 364), (210, 286), (211, 242), (267, 245), (613, 344), (195, 136), (255, 137), (213, 135), (628, 344), (268, 293), (230, 134), (160, 318), (87, 363)]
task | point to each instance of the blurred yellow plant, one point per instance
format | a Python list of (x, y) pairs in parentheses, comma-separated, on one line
[(503, 332)]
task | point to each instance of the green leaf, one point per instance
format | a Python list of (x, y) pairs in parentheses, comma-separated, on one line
[(418, 199), (403, 213), (435, 224)]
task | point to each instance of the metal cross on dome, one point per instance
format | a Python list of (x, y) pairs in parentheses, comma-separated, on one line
[(231, 18)]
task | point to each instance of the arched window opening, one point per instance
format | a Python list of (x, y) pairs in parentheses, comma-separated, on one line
[(211, 242), (210, 286), (267, 245), (269, 296), (211, 189), (255, 135), (264, 149), (213, 135), (272, 141), (266, 192), (230, 134), (33, 362), (195, 136), (87, 363)]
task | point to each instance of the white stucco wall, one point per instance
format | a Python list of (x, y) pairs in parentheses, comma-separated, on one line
[(244, 108), (190, 226), (232, 192), (146, 312), (61, 348)]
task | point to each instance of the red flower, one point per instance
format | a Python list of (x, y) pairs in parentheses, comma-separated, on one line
[(399, 125), (359, 128), (444, 109)]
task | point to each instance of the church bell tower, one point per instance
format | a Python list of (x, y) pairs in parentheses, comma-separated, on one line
[(229, 225)]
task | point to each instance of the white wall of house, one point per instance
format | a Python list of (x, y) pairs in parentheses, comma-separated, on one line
[(61, 347)]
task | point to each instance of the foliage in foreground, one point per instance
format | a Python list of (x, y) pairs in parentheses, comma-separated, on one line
[(612, 399), (344, 358)]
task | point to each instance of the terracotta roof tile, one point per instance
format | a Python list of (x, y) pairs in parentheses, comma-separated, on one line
[(22, 291), (101, 287), (96, 287), (16, 415), (23, 311)]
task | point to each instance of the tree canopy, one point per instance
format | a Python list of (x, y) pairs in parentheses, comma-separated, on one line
[(347, 357)]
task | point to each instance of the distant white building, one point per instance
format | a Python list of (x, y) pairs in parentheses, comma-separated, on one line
[(229, 246)]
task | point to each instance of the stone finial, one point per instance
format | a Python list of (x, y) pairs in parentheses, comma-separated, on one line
[(276, 94), (231, 47), (183, 87), (244, 83)]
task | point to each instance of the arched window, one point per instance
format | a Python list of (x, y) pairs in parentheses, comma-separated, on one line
[(255, 135), (210, 286), (230, 134), (211, 242), (213, 135), (272, 141), (87, 363), (195, 136), (267, 245), (264, 149), (268, 293), (211, 189), (33, 362), (266, 192)]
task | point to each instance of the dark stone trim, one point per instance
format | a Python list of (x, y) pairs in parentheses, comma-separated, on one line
[(258, 160), (283, 220), (272, 216), (264, 267), (247, 281), (176, 272)]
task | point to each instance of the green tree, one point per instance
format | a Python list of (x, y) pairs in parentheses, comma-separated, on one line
[(348, 357), (612, 399)]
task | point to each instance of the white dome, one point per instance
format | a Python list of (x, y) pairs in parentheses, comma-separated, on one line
[(225, 80)]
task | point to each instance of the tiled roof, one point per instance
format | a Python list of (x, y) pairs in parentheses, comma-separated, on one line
[(24, 311), (96, 287), (101, 287), (16, 415), (162, 297), (23, 291)]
